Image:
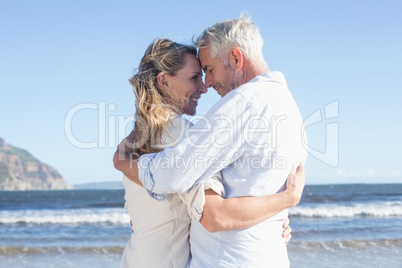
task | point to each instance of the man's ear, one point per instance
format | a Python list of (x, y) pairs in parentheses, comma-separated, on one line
[(236, 58), (163, 80)]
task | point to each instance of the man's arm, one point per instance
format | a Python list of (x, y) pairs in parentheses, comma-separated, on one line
[(123, 159), (238, 213), (213, 143)]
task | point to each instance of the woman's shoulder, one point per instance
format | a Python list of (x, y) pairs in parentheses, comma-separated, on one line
[(177, 120), (175, 130)]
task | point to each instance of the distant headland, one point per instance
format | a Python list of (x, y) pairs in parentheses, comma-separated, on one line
[(21, 171)]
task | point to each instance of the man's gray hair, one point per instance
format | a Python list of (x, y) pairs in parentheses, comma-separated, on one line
[(223, 36)]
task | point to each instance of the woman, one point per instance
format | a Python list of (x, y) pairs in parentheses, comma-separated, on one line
[(168, 84)]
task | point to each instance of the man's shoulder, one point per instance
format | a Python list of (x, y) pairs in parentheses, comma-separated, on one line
[(229, 103), (264, 80), (265, 87)]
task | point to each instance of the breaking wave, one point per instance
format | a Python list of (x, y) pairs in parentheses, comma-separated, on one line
[(65, 216), (379, 209)]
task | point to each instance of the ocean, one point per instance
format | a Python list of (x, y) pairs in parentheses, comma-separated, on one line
[(355, 225)]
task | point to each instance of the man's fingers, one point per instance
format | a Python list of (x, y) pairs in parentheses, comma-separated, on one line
[(287, 239), (285, 224), (287, 231), (293, 170), (300, 169)]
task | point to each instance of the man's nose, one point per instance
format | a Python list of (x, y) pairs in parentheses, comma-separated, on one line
[(208, 81), (203, 89)]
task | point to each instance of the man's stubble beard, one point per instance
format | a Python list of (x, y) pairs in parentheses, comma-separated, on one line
[(233, 79)]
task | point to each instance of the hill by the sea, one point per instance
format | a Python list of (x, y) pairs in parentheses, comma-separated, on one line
[(20, 171)]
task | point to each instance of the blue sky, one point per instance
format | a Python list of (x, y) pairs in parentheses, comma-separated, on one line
[(66, 64)]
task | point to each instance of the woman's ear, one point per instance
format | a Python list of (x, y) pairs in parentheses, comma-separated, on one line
[(236, 58), (163, 80)]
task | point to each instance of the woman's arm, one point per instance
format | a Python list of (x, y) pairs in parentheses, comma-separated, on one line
[(237, 213)]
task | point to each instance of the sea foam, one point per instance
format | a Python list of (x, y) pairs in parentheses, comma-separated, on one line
[(65, 216), (378, 209)]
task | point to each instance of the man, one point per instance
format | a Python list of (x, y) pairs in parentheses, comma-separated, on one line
[(253, 135)]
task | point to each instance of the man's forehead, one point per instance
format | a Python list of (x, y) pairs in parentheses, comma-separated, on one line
[(202, 52), (203, 56)]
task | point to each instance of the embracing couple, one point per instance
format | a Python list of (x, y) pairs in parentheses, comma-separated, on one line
[(216, 193)]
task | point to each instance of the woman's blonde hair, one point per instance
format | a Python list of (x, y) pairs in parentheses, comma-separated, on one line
[(153, 110)]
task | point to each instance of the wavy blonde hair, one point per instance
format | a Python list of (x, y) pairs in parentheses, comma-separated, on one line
[(153, 108)]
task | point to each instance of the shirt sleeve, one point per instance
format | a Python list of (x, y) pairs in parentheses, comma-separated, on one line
[(194, 198), (212, 144)]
